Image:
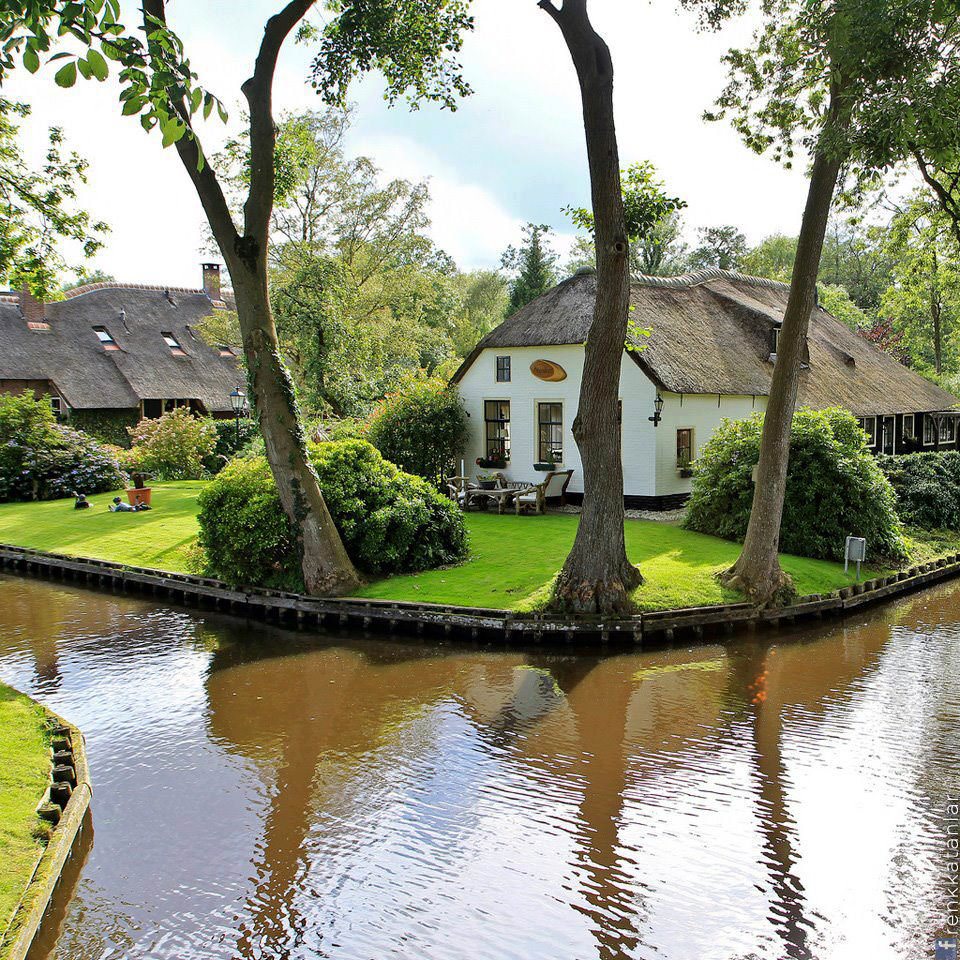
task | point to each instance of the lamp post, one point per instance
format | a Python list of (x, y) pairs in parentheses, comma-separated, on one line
[(238, 401), (657, 410)]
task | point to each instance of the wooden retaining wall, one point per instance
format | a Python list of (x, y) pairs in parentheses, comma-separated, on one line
[(474, 623)]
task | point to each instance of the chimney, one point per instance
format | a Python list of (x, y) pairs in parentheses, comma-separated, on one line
[(34, 311), (211, 281)]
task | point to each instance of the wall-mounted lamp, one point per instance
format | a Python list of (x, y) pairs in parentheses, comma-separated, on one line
[(657, 410)]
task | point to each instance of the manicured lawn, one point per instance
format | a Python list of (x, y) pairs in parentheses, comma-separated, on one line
[(155, 538), (513, 559), (24, 772)]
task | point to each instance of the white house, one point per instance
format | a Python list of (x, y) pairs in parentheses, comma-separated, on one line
[(709, 357)]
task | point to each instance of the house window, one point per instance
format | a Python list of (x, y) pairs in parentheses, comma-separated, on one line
[(503, 369), (225, 351), (774, 342), (684, 448), (174, 344), (947, 432), (152, 409), (550, 432), (56, 406), (106, 341), (908, 426), (869, 425), (496, 415)]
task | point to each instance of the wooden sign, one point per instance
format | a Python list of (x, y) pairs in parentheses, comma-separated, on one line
[(548, 370)]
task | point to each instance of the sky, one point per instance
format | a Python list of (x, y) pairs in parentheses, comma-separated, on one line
[(512, 153)]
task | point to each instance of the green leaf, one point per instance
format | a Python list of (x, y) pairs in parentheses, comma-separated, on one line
[(66, 76), (132, 106), (222, 110), (85, 71), (30, 60), (98, 65), (207, 105)]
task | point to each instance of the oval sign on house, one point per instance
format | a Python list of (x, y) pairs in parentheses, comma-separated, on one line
[(548, 370)]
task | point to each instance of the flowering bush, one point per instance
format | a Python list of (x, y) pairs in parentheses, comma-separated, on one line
[(172, 447), (390, 521), (42, 460)]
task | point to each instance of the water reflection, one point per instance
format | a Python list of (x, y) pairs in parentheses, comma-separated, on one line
[(263, 794)]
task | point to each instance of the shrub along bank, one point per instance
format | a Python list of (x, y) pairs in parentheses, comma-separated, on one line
[(927, 487), (390, 521), (834, 488)]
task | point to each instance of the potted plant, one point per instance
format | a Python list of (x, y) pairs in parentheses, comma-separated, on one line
[(545, 466), (139, 492), (492, 463), (487, 481), (684, 466)]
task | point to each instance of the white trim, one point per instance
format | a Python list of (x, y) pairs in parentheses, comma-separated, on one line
[(870, 431)]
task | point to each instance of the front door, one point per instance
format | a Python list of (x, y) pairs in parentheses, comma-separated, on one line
[(888, 444)]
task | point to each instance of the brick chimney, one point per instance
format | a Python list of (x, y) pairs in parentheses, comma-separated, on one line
[(34, 311), (211, 280)]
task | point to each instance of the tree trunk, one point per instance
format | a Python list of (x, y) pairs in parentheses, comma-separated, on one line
[(597, 577), (327, 570), (757, 572)]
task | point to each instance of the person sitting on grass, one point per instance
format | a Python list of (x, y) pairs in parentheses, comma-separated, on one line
[(118, 506), (82, 503)]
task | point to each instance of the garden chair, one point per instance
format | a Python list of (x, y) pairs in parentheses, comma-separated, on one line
[(533, 496)]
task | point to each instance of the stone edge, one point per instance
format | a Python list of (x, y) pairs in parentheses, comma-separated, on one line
[(59, 847)]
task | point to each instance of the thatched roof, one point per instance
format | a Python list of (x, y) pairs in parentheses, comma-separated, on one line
[(143, 368), (711, 333)]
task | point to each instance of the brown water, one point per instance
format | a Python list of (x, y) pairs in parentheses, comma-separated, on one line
[(263, 794)]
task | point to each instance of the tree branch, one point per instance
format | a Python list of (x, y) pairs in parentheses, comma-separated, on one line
[(191, 154), (948, 203), (259, 93)]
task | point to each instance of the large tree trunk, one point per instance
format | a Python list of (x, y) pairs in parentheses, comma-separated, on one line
[(323, 559), (597, 577), (327, 570), (757, 572)]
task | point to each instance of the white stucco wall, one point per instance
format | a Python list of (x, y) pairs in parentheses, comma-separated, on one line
[(649, 455), (525, 391), (702, 414)]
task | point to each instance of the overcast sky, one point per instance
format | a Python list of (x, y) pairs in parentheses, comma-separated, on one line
[(513, 152)]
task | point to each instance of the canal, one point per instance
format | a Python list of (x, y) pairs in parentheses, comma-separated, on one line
[(266, 794)]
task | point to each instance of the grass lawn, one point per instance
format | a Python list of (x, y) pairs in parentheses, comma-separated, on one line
[(156, 538), (24, 772), (513, 559)]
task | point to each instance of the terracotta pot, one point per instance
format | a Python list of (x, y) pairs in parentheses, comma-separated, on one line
[(138, 495)]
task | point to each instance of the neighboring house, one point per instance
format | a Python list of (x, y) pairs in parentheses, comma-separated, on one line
[(709, 357), (113, 353)]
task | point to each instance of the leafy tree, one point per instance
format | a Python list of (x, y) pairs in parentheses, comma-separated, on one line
[(882, 334), (835, 300), (597, 577), (172, 447), (923, 300), (533, 264), (772, 258), (410, 44), (482, 299), (40, 208), (85, 277), (855, 83), (720, 247)]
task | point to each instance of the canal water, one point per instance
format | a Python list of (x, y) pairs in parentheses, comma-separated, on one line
[(267, 794)]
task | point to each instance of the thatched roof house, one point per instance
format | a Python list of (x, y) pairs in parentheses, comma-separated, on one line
[(118, 350), (710, 354)]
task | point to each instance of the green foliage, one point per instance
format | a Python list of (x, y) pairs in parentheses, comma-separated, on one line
[(389, 521), (533, 266), (830, 467), (39, 208), (836, 301), (645, 203), (720, 247), (927, 486), (108, 426), (174, 446), (227, 445), (421, 428), (42, 460)]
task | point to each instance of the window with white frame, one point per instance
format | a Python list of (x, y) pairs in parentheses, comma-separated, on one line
[(56, 405), (869, 426), (945, 432), (908, 426), (550, 431)]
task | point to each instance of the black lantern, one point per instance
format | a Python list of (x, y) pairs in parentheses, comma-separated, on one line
[(238, 401), (657, 410)]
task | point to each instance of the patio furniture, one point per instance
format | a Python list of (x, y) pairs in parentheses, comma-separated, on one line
[(533, 496)]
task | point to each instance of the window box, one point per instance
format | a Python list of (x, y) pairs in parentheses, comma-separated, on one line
[(544, 467), (489, 463)]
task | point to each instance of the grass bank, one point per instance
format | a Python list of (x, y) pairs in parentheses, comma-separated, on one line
[(512, 559), (24, 774)]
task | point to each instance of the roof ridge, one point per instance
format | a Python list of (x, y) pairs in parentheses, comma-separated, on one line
[(698, 277), (118, 285)]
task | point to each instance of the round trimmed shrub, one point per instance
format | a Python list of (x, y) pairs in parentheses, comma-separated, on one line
[(174, 446), (422, 428), (927, 486), (390, 522), (835, 488), (41, 459)]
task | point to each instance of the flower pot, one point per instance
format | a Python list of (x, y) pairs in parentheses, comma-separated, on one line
[(685, 472), (138, 495), (488, 484)]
